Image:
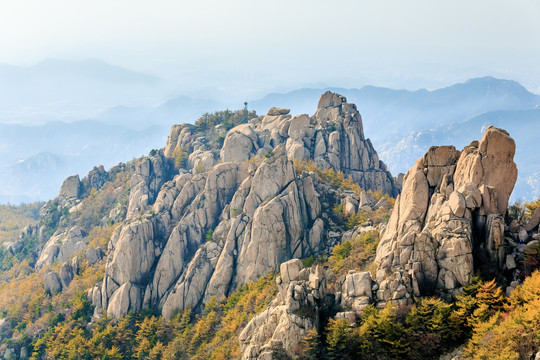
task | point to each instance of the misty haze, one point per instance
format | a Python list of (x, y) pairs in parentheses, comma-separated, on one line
[(102, 94), (269, 180)]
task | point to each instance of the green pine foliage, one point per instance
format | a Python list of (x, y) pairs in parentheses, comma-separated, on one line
[(212, 334), (481, 315), (312, 348), (426, 330), (226, 119)]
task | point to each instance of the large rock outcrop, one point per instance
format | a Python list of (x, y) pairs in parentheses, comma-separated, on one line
[(447, 223), (220, 225), (448, 220), (96, 178), (61, 246), (54, 282), (70, 189), (150, 174), (285, 322), (211, 232), (333, 138)]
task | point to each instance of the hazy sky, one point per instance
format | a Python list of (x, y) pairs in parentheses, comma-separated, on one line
[(281, 44)]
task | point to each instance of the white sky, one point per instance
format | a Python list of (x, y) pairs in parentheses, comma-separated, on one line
[(284, 43)]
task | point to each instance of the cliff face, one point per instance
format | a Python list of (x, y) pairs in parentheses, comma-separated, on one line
[(283, 325), (239, 213), (332, 138), (236, 210), (448, 220)]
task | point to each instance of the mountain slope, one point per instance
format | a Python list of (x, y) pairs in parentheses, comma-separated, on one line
[(237, 220), (403, 124), (158, 257)]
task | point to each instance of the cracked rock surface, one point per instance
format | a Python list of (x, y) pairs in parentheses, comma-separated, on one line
[(239, 213), (452, 207)]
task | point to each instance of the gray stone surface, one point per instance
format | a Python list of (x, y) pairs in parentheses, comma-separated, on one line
[(427, 245), (281, 326), (61, 247), (71, 188), (66, 274), (51, 282), (333, 138), (93, 255), (261, 214)]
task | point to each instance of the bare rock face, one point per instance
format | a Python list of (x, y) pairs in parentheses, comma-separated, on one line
[(54, 282), (452, 206), (93, 255), (133, 250), (244, 211), (126, 298), (356, 292), (96, 178), (150, 174), (283, 325), (71, 188), (51, 282), (212, 232), (239, 144), (66, 274), (490, 164), (332, 138), (61, 247), (278, 111), (179, 138)]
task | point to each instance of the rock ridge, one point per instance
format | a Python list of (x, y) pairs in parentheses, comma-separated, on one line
[(233, 213), (333, 138), (449, 219), (448, 222), (215, 208)]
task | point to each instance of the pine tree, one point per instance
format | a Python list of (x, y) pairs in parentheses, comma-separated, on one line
[(338, 333), (491, 295), (311, 346)]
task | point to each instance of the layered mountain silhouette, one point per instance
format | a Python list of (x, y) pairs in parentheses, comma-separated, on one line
[(399, 122)]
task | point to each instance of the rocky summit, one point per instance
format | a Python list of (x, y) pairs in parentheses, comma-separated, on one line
[(332, 138), (228, 213), (448, 220)]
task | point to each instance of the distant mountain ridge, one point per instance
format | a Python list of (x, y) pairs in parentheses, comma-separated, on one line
[(399, 122), (405, 111), (71, 90), (94, 69), (523, 125), (36, 159), (403, 124)]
